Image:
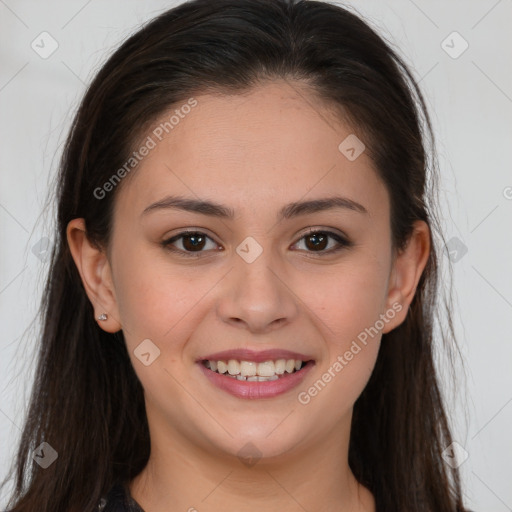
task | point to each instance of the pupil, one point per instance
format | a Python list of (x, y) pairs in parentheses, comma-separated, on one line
[(195, 239), (319, 237)]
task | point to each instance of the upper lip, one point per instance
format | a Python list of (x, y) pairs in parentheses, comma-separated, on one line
[(244, 354)]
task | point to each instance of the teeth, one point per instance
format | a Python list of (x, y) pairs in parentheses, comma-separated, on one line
[(255, 372), (222, 367), (248, 368), (290, 365), (280, 366), (233, 367), (256, 378), (266, 369)]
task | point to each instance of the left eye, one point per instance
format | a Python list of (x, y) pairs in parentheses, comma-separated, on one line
[(319, 239), (195, 241)]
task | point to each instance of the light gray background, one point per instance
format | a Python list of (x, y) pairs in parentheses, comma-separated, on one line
[(470, 98)]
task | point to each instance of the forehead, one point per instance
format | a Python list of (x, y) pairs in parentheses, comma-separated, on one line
[(274, 144)]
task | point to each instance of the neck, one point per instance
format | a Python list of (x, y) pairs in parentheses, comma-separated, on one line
[(180, 475)]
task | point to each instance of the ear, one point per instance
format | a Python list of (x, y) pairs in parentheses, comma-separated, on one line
[(406, 272), (94, 269)]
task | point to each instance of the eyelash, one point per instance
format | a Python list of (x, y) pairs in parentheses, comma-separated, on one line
[(342, 242)]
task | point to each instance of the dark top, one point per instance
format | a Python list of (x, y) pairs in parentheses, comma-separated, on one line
[(118, 499)]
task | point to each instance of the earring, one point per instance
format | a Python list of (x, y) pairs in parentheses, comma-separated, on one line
[(103, 316)]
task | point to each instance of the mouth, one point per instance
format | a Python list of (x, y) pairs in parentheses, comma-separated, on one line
[(252, 379), (252, 371)]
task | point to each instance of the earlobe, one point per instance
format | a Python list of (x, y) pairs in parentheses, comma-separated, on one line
[(95, 273), (408, 267)]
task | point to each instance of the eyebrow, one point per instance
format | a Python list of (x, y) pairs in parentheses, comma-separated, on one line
[(289, 211)]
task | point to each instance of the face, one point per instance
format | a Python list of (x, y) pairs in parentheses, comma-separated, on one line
[(307, 285)]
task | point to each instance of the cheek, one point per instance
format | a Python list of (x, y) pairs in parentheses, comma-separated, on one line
[(341, 383), (348, 304), (347, 299), (338, 383), (156, 300)]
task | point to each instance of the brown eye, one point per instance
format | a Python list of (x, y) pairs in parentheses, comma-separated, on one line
[(318, 241), (191, 242), (194, 242)]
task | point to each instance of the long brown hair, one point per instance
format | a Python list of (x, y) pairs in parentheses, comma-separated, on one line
[(87, 402)]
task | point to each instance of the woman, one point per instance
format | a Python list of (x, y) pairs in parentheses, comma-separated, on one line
[(240, 308)]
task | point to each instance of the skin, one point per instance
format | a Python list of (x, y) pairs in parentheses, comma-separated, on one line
[(254, 153)]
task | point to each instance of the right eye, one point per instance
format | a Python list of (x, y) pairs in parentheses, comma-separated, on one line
[(191, 241)]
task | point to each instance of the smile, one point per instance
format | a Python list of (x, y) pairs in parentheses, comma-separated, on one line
[(255, 372), (253, 380)]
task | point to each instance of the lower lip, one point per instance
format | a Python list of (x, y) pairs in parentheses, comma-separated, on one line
[(255, 390)]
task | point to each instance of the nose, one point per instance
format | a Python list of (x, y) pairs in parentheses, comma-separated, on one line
[(256, 296)]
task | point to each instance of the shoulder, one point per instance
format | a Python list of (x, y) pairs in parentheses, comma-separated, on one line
[(118, 499)]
